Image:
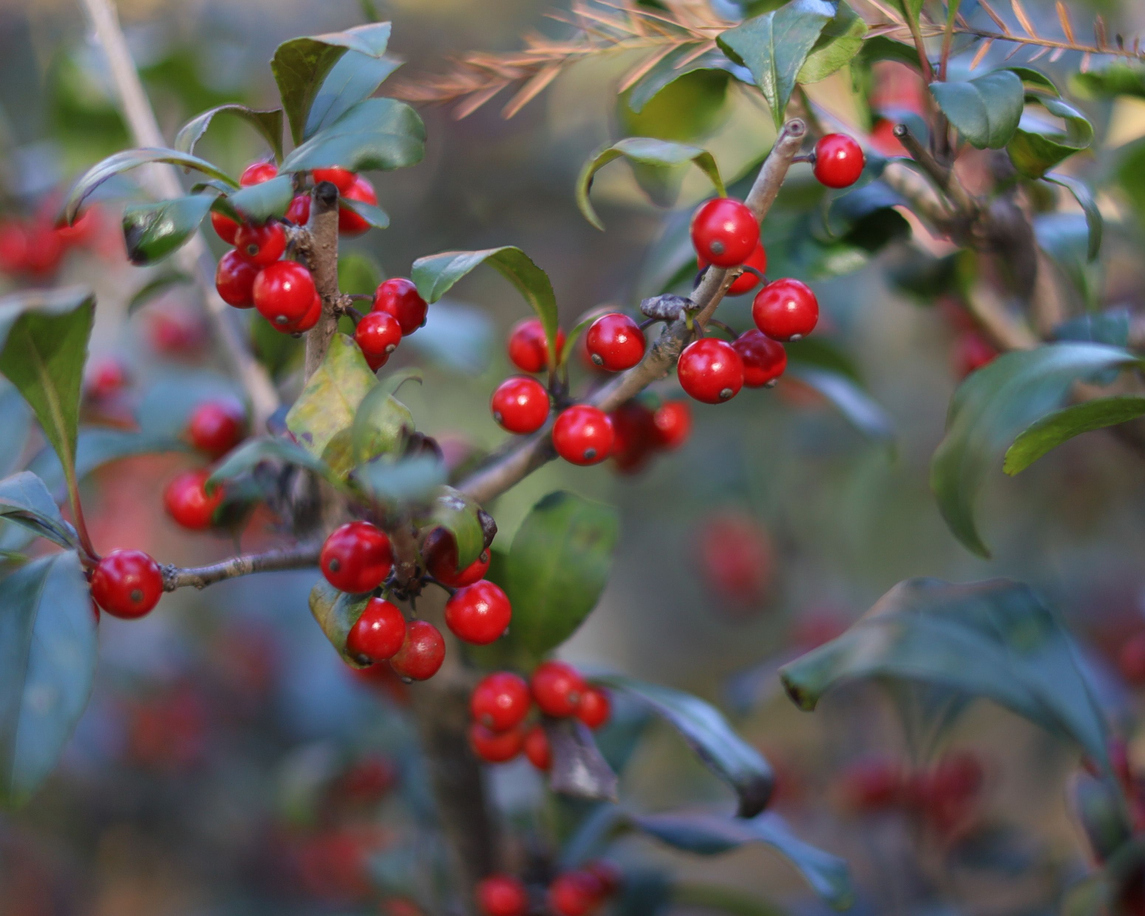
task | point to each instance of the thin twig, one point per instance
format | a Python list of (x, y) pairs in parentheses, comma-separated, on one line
[(303, 556), (322, 255)]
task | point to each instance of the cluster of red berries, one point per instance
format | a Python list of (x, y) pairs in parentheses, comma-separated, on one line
[(35, 247), (501, 702), (215, 427), (397, 312), (572, 893), (640, 431)]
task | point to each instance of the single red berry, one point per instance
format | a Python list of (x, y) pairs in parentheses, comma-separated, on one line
[(225, 227), (747, 281), (104, 378), (443, 567), (500, 701), (378, 335), (872, 785), (495, 747), (284, 293), (785, 310), (45, 251), (187, 501), (839, 160), (594, 707), (972, 351), (725, 232), (528, 346), (520, 405), (422, 653), (127, 583), (307, 321), (216, 427), (538, 749), (478, 613), (764, 359), (710, 370), (583, 435), (736, 558), (261, 245), (13, 247), (574, 894), (356, 557), (615, 342), (257, 173), (379, 632), (299, 210), (349, 222), (342, 179), (176, 331), (557, 688), (234, 279), (635, 436), (502, 895), (607, 873), (673, 422), (399, 297)]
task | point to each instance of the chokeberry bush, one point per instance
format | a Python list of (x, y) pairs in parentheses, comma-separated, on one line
[(832, 201)]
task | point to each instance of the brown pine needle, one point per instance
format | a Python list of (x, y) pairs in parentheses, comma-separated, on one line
[(983, 50), (1023, 18), (1063, 18)]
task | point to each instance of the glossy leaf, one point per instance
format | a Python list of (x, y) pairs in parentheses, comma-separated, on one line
[(153, 231), (1051, 431), (838, 43), (578, 768), (374, 215), (1093, 218), (775, 46), (1035, 151), (1109, 327), (261, 201), (267, 123), (47, 660), (336, 613), (864, 413), (991, 407), (354, 77), (332, 395), (247, 456), (674, 66), (1116, 79), (400, 481), (457, 514), (986, 110), (709, 735), (436, 274), (643, 151), (381, 423), (375, 134), (25, 501)]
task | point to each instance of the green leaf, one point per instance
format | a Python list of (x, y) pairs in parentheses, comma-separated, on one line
[(1035, 151), (675, 66), (336, 613), (991, 407), (260, 202), (16, 422), (374, 215), (267, 123), (332, 395), (912, 9), (381, 423), (1050, 432), (402, 481), (375, 134), (991, 639), (358, 274), (130, 159), (156, 286), (985, 110), (709, 735), (153, 231), (254, 452), (709, 834), (644, 151), (436, 274), (1036, 80), (47, 660), (579, 769), (456, 513), (1109, 327), (1093, 219), (775, 46), (840, 40), (558, 567), (301, 66), (1116, 79), (864, 413), (26, 501), (354, 78)]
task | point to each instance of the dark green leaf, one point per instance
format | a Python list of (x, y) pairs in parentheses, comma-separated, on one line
[(401, 481), (867, 416), (354, 78), (1035, 80), (775, 46), (16, 423), (336, 613), (1037, 147), (374, 215), (838, 43), (985, 110), (97, 446), (1116, 79), (578, 768), (644, 151), (331, 397), (375, 134), (1110, 327), (1066, 237), (381, 423), (457, 514), (1093, 219), (153, 231), (672, 67), (254, 452), (1050, 432), (709, 735), (47, 661), (267, 123), (157, 286), (991, 407), (26, 501), (261, 201)]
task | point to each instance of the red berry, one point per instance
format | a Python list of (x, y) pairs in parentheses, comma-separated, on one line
[(746, 281), (443, 567), (607, 873), (736, 558), (594, 707), (422, 653), (635, 436), (284, 293), (725, 232), (105, 377), (349, 222), (309, 319), (399, 297), (557, 688), (299, 210), (356, 557), (13, 247), (216, 427), (785, 310), (872, 785), (710, 370), (502, 895), (520, 404), (342, 179), (257, 173), (538, 749), (379, 632), (972, 351), (839, 161), (176, 331), (261, 245), (234, 279), (500, 701), (225, 227), (127, 583), (764, 359), (528, 346), (478, 613), (615, 342), (45, 251), (583, 435), (378, 335), (495, 747), (574, 894), (187, 501), (673, 422)]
